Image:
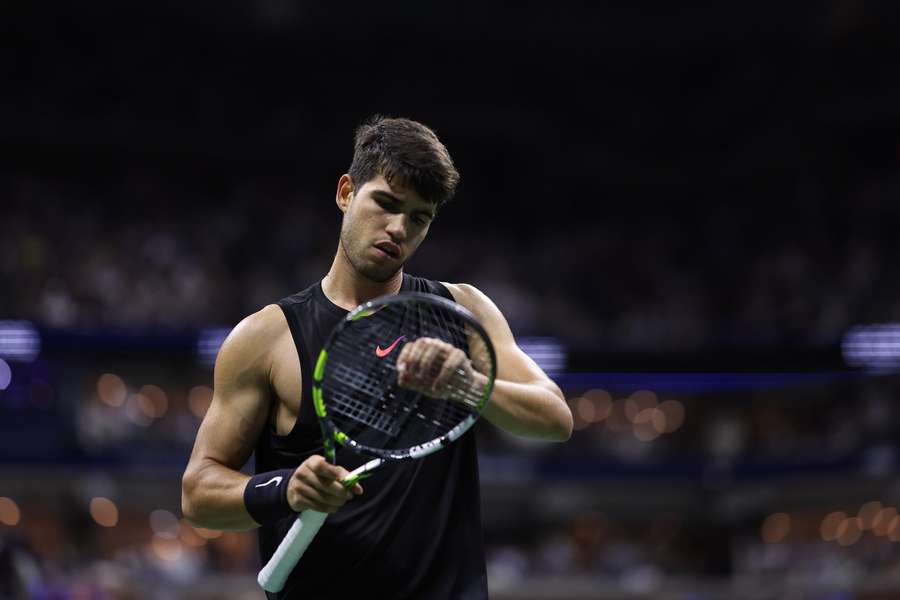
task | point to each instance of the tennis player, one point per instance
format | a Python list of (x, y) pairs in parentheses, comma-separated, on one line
[(415, 531)]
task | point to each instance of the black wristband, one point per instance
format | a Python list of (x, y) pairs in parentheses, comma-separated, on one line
[(266, 496)]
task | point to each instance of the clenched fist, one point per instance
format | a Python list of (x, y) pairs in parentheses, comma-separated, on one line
[(316, 484), (438, 369)]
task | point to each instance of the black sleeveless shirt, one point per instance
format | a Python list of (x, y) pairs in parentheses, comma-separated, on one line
[(416, 531)]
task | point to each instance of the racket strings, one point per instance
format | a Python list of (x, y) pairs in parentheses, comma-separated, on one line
[(360, 388)]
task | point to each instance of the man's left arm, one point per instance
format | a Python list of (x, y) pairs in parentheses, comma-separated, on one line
[(525, 401)]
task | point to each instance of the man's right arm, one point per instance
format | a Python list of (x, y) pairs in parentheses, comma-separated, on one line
[(212, 492)]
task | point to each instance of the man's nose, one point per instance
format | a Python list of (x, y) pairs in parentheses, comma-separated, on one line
[(396, 227)]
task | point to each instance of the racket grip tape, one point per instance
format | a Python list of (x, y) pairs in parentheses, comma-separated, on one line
[(298, 538)]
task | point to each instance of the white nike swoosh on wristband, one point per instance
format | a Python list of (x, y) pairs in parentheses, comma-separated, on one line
[(277, 480)]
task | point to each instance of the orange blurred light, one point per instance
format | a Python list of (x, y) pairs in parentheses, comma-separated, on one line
[(644, 430), (849, 531), (830, 525), (602, 402), (189, 536), (209, 534), (617, 421), (111, 389), (658, 420), (882, 522), (637, 402), (104, 511), (894, 529), (199, 399), (674, 414), (867, 513), (586, 409), (153, 401), (776, 528), (9, 512)]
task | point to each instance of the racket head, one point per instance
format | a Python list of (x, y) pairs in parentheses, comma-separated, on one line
[(357, 398)]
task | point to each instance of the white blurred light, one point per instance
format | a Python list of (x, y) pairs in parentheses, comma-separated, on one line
[(5, 375), (547, 352), (872, 346), (208, 343), (166, 548), (19, 340), (164, 524)]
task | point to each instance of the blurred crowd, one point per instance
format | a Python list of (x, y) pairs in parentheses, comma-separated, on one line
[(141, 254), (723, 465)]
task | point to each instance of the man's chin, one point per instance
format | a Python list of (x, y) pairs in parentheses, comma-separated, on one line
[(379, 274)]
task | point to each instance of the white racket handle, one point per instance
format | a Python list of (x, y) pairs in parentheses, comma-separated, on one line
[(298, 538), (295, 542)]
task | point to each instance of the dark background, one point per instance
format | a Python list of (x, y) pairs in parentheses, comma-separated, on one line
[(690, 204)]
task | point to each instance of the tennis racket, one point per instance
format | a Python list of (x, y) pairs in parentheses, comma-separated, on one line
[(361, 404)]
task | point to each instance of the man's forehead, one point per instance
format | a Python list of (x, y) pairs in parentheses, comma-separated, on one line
[(397, 190)]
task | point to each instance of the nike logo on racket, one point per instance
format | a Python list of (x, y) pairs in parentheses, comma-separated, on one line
[(382, 353), (276, 480)]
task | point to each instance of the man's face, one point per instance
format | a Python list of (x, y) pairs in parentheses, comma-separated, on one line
[(382, 228)]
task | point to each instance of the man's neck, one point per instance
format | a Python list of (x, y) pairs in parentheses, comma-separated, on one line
[(346, 288)]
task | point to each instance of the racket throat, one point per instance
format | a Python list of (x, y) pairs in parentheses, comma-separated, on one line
[(361, 472)]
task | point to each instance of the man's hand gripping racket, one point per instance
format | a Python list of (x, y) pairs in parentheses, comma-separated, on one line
[(392, 401)]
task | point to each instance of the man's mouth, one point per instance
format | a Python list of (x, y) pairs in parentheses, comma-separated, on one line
[(389, 248)]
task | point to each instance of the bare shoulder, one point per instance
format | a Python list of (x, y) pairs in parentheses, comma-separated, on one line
[(250, 346), (470, 297), (479, 305)]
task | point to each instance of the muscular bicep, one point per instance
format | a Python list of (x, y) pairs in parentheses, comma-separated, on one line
[(241, 398), (512, 362)]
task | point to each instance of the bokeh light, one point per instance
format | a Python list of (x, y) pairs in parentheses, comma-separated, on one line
[(111, 389), (104, 512), (165, 548), (5, 375), (19, 340), (602, 401), (617, 421), (209, 534), (867, 514), (674, 415), (643, 427), (9, 512), (830, 525), (894, 529), (164, 524), (639, 401), (152, 401), (135, 408), (776, 528), (881, 524), (849, 531), (199, 399), (585, 409), (189, 536)]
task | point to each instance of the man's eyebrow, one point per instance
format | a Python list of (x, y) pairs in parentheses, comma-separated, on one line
[(385, 195), (431, 214)]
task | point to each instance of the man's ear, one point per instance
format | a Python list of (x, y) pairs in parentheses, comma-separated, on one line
[(344, 192)]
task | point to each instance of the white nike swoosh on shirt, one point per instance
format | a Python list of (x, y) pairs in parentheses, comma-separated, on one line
[(277, 480)]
